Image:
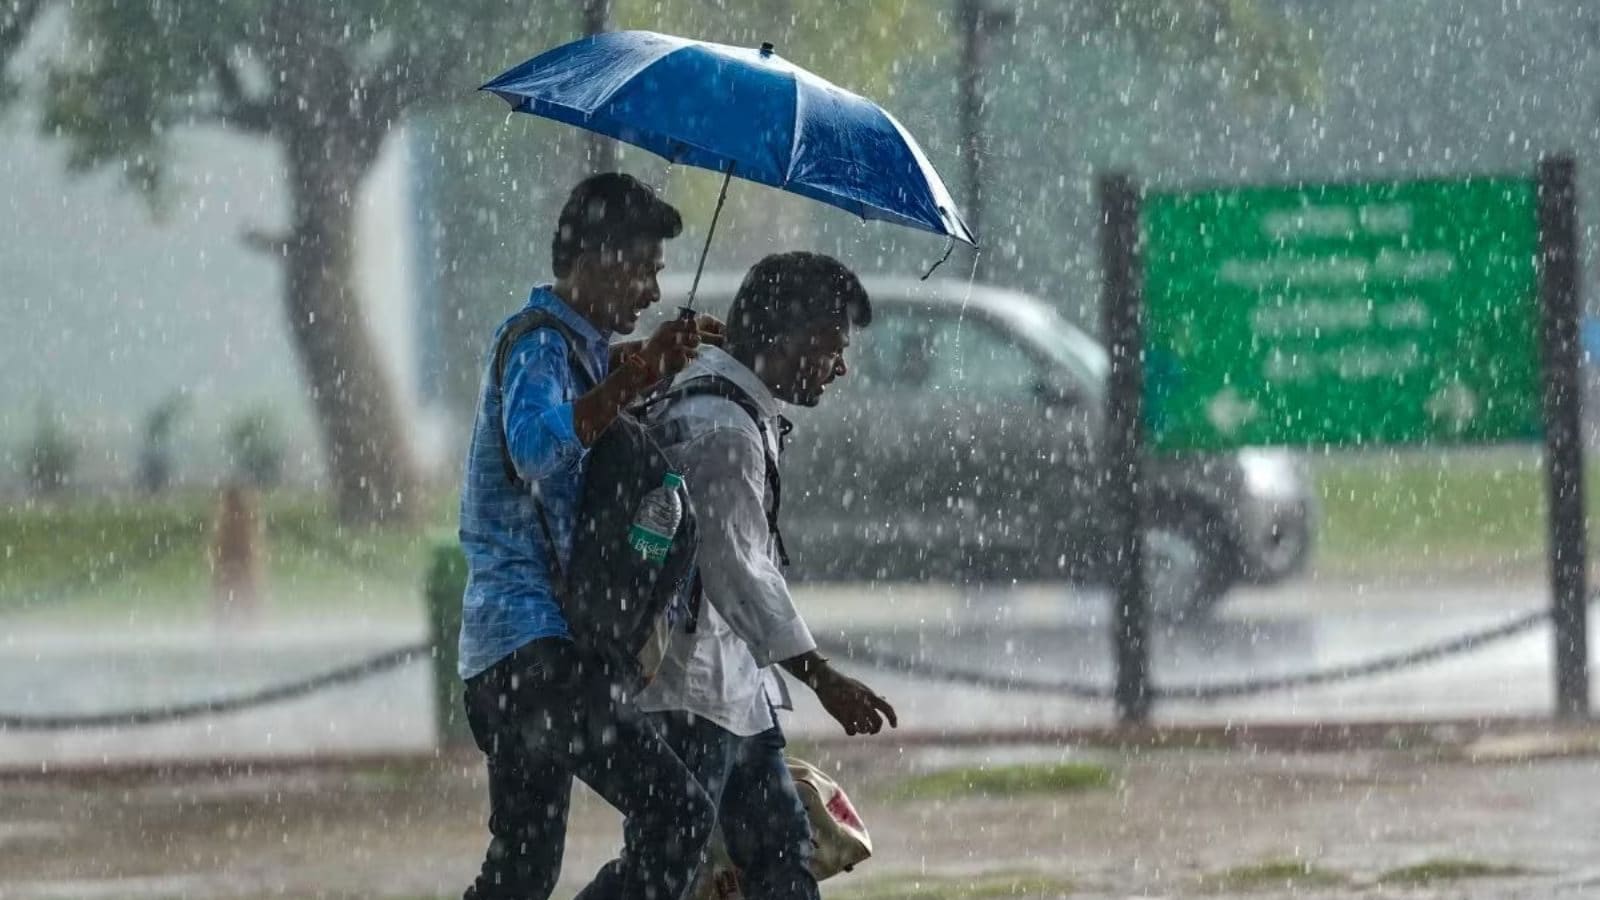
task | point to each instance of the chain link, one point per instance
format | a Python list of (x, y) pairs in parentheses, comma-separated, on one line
[(1196, 692), (856, 652), (177, 712)]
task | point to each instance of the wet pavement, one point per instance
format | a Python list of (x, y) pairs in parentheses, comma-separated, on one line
[(1171, 823), (1024, 633)]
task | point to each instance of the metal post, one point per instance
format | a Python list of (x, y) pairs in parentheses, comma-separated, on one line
[(1560, 306), (442, 596), (978, 21), (1122, 314)]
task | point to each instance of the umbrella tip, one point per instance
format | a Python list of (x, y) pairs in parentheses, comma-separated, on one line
[(766, 48)]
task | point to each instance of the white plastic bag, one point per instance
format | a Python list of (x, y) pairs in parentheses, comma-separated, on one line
[(839, 838)]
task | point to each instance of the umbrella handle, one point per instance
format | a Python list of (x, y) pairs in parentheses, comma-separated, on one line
[(688, 309)]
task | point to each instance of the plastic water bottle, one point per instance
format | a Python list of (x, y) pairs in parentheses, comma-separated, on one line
[(656, 523)]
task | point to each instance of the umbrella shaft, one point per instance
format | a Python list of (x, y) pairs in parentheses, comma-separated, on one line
[(710, 232)]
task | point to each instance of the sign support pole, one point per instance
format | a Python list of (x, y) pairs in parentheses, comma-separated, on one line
[(1122, 319), (1560, 306)]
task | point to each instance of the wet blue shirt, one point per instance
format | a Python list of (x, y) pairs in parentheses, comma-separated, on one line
[(509, 599)]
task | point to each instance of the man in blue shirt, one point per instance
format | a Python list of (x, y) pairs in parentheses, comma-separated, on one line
[(537, 713)]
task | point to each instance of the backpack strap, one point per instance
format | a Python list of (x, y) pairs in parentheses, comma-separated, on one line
[(519, 326), (718, 386)]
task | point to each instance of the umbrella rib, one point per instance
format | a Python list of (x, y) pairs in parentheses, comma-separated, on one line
[(625, 82), (795, 130), (952, 213)]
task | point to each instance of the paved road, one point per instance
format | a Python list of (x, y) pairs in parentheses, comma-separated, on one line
[(1028, 632)]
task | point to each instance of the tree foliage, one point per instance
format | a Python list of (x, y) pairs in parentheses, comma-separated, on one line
[(142, 69), (1261, 48), (327, 83), (16, 21)]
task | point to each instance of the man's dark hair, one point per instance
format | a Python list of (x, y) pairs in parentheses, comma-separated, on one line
[(787, 293), (607, 211)]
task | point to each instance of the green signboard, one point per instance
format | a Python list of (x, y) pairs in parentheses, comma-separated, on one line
[(1342, 314)]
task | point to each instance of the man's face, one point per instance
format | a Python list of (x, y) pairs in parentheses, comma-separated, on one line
[(625, 281), (813, 360)]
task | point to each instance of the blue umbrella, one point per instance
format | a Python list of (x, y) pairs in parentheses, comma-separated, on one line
[(749, 113)]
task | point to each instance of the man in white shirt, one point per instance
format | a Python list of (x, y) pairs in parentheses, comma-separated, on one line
[(715, 693)]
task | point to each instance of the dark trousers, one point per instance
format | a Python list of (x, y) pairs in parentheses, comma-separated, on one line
[(762, 819), (541, 716)]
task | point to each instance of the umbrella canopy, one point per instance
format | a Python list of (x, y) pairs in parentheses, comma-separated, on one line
[(741, 112)]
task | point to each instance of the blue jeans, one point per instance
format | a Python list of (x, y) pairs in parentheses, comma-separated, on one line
[(763, 822), (541, 716)]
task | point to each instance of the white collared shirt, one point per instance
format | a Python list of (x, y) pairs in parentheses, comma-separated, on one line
[(723, 671)]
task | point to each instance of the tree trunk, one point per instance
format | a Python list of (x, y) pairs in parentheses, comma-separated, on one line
[(364, 444), (16, 18)]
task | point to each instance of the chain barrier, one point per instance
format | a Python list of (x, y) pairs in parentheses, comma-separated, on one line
[(855, 652), (1198, 692), (910, 665), (156, 715), (1380, 665)]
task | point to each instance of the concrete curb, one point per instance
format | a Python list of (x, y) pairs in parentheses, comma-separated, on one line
[(1289, 737)]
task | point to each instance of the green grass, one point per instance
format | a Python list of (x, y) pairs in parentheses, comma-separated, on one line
[(979, 887), (1418, 511), (1271, 875), (1408, 513), (1059, 778), (1437, 870), (144, 558)]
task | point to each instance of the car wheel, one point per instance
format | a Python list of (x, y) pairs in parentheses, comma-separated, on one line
[(1282, 552), (1188, 566)]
